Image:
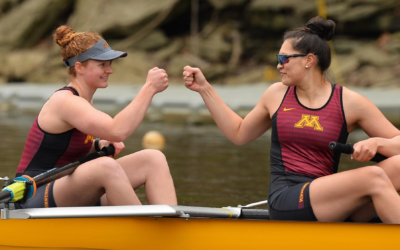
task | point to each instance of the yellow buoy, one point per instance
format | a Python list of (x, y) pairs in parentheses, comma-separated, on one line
[(153, 140)]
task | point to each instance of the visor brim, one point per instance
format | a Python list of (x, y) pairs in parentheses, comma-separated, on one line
[(109, 55)]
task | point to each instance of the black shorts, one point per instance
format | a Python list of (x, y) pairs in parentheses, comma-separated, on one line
[(293, 203), (44, 198)]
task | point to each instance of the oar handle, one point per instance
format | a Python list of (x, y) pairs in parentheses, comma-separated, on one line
[(105, 151), (342, 148), (348, 149)]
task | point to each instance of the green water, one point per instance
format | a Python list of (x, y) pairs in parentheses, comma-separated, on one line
[(208, 169)]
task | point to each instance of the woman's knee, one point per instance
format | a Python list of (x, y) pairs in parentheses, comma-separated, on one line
[(154, 154), (376, 179), (107, 167), (150, 157), (154, 161)]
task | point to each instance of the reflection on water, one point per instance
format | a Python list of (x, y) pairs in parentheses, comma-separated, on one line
[(208, 169)]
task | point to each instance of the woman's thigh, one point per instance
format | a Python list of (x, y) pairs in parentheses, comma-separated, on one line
[(142, 164), (391, 166), (336, 197), (87, 184), (150, 168)]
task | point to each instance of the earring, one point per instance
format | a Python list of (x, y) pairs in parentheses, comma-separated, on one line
[(306, 66)]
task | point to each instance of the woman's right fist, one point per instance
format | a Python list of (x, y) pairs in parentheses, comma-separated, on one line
[(157, 79), (193, 78)]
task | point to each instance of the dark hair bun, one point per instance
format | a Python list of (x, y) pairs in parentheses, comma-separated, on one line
[(63, 35), (322, 27)]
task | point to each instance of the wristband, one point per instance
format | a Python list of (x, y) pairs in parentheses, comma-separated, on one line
[(96, 144)]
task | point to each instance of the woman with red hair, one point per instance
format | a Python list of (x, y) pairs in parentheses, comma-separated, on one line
[(67, 124)]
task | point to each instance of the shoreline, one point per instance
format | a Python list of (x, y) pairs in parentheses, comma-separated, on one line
[(176, 103)]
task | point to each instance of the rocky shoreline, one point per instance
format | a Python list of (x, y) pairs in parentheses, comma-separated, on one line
[(232, 41)]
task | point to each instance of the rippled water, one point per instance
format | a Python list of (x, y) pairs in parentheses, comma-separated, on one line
[(208, 169)]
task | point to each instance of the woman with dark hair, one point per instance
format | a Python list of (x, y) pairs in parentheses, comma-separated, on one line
[(65, 128), (306, 113)]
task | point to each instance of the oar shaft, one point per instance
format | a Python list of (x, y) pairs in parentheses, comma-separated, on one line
[(5, 196), (58, 172), (55, 173)]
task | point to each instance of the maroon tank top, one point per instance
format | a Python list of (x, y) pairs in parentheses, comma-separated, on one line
[(301, 136), (44, 151)]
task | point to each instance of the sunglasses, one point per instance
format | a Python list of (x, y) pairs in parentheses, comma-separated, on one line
[(282, 59)]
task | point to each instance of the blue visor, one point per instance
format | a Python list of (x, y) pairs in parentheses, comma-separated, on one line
[(101, 51)]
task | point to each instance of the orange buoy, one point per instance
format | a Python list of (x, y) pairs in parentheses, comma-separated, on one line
[(153, 140)]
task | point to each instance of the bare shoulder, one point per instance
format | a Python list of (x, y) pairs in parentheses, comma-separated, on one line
[(51, 116), (57, 98), (64, 98), (277, 87), (354, 99), (351, 94), (275, 91), (273, 96), (361, 112), (63, 103)]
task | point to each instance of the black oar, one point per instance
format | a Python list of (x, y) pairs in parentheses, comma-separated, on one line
[(348, 149), (53, 174)]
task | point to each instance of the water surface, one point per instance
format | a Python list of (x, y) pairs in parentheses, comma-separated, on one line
[(208, 170)]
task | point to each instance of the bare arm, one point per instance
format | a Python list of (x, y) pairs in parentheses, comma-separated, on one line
[(240, 131), (79, 113), (361, 112)]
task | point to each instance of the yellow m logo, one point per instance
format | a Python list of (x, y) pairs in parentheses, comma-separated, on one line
[(306, 121), (89, 138)]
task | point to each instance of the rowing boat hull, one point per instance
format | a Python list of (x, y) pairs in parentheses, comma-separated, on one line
[(192, 233)]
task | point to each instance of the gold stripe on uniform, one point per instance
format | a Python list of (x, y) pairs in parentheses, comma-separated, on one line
[(46, 195)]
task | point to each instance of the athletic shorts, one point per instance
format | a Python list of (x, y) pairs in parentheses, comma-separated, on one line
[(293, 203), (44, 198)]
